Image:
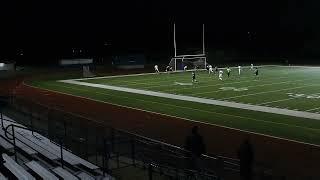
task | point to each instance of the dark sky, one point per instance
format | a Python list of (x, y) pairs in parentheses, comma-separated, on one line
[(148, 23)]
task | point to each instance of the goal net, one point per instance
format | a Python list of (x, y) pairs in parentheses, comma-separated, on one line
[(191, 62), (86, 72)]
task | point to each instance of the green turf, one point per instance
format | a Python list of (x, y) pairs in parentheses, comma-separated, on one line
[(271, 89)]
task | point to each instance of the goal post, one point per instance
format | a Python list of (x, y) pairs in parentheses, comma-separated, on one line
[(192, 61)]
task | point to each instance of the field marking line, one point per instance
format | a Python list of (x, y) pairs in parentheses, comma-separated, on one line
[(141, 81), (168, 115), (204, 100), (188, 108), (287, 99), (253, 94), (313, 109), (285, 82), (219, 84)]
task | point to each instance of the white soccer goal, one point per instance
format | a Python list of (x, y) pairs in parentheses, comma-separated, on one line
[(192, 61), (86, 72)]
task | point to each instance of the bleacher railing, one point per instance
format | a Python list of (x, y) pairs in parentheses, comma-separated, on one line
[(113, 149)]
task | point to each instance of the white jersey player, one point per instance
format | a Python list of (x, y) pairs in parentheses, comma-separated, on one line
[(251, 67), (210, 69), (185, 68), (239, 69), (156, 68), (220, 75)]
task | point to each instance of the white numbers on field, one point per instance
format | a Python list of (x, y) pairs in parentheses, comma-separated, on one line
[(233, 89), (310, 96)]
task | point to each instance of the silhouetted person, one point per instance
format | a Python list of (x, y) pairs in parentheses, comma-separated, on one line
[(246, 154), (194, 143)]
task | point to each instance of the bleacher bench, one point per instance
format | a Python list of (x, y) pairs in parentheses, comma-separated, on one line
[(64, 173), (41, 171), (18, 171)]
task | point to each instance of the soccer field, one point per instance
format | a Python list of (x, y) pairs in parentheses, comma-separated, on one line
[(282, 102)]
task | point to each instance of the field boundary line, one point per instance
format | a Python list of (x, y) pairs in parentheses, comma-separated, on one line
[(184, 107), (152, 112), (203, 100), (313, 109)]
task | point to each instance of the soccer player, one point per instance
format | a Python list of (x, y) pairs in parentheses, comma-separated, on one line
[(156, 68), (168, 68), (256, 72), (251, 67), (216, 70), (185, 68), (239, 67), (228, 71), (210, 69), (194, 77), (220, 75)]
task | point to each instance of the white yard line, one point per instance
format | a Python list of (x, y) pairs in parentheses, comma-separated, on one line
[(287, 99), (143, 110), (253, 94), (204, 101), (285, 82), (313, 109)]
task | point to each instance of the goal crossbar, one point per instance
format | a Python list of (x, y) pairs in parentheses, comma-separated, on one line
[(190, 55)]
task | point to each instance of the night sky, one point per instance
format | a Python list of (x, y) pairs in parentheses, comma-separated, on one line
[(54, 27)]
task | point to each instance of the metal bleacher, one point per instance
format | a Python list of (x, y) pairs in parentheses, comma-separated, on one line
[(17, 170), (41, 171), (29, 155), (64, 173)]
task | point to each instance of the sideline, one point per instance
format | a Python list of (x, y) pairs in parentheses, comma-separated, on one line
[(273, 110), (187, 119)]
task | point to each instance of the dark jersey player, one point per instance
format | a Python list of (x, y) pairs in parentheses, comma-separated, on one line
[(256, 72), (216, 70), (194, 77)]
